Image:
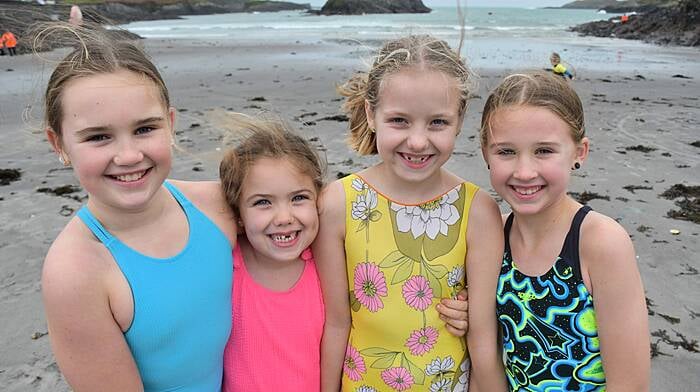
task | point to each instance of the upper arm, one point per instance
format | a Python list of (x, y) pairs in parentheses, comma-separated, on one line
[(483, 263), (87, 342), (329, 251), (608, 258)]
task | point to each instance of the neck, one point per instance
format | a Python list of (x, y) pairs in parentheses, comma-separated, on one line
[(117, 220), (535, 228), (411, 192)]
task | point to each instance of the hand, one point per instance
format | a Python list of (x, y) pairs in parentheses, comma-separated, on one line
[(454, 313)]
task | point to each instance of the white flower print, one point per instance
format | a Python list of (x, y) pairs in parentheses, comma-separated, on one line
[(440, 386), (358, 185), (455, 276), (365, 388), (364, 204), (463, 382), (437, 366), (430, 218)]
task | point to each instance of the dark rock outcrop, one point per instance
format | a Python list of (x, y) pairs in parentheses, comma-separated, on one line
[(673, 25), (358, 7), (616, 6)]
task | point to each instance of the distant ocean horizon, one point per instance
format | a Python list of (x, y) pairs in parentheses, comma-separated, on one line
[(494, 37)]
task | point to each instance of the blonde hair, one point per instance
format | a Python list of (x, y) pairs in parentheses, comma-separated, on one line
[(554, 58), (422, 51), (538, 89), (264, 138), (97, 51)]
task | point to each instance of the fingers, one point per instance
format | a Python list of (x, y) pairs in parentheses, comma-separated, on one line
[(462, 295), (457, 327)]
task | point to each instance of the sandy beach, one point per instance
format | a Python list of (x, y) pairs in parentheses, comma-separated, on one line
[(643, 127)]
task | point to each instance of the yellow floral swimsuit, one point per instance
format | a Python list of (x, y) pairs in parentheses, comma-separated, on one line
[(401, 259)]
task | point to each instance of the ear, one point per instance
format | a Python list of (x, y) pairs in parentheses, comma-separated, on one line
[(369, 113), (171, 117), (55, 141), (582, 150)]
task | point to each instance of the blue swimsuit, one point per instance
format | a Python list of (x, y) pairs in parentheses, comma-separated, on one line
[(182, 304)]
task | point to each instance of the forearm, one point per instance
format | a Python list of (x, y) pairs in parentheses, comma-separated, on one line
[(487, 373), (333, 345)]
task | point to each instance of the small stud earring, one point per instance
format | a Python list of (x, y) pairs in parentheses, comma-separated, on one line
[(372, 130), (488, 167), (576, 166)]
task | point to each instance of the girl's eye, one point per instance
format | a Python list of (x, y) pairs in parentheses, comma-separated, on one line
[(298, 198), (543, 151), (505, 151), (143, 130), (97, 138), (261, 202), (397, 120), (439, 122)]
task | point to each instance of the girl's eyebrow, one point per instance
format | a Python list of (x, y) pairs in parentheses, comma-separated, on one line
[(104, 128)]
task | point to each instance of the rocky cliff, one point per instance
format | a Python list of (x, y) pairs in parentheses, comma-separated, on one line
[(675, 25), (617, 6), (358, 7)]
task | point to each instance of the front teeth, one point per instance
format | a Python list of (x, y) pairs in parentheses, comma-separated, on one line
[(130, 177), (527, 191), (419, 159), (284, 237)]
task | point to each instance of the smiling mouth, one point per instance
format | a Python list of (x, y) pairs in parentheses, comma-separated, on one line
[(415, 158), (527, 191), (131, 177), (284, 238)]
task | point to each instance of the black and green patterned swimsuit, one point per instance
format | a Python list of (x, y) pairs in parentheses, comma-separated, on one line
[(550, 335)]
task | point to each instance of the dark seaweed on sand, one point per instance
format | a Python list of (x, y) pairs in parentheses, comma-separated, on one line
[(688, 202), (587, 196), (9, 175)]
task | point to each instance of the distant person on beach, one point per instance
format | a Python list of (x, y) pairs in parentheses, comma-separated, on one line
[(272, 180), (9, 41), (397, 237), (137, 286), (571, 304), (76, 16), (558, 68)]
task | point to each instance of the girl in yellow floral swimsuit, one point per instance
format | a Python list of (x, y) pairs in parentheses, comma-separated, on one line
[(400, 235)]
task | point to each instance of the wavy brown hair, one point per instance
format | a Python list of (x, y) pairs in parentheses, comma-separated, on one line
[(264, 138)]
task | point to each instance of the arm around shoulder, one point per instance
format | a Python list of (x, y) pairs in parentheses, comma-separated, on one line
[(209, 198), (483, 263), (329, 252), (608, 258), (87, 342)]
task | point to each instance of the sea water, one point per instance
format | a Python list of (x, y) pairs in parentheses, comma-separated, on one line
[(508, 38)]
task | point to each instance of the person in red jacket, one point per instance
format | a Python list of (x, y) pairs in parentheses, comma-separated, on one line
[(9, 41)]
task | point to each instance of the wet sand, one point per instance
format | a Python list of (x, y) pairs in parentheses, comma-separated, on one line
[(644, 136)]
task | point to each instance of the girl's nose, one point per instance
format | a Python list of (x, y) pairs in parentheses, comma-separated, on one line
[(417, 140), (525, 170), (283, 216), (128, 154)]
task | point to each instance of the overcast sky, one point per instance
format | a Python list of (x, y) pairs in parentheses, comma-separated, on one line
[(473, 3)]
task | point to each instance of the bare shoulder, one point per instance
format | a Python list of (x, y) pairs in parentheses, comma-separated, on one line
[(331, 201), (209, 198), (603, 240), (76, 262), (484, 210)]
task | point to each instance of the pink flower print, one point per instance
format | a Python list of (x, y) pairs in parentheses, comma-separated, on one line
[(398, 378), (418, 293), (370, 284), (422, 340), (354, 365)]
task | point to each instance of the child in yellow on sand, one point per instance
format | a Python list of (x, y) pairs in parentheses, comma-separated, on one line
[(570, 299), (400, 235)]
